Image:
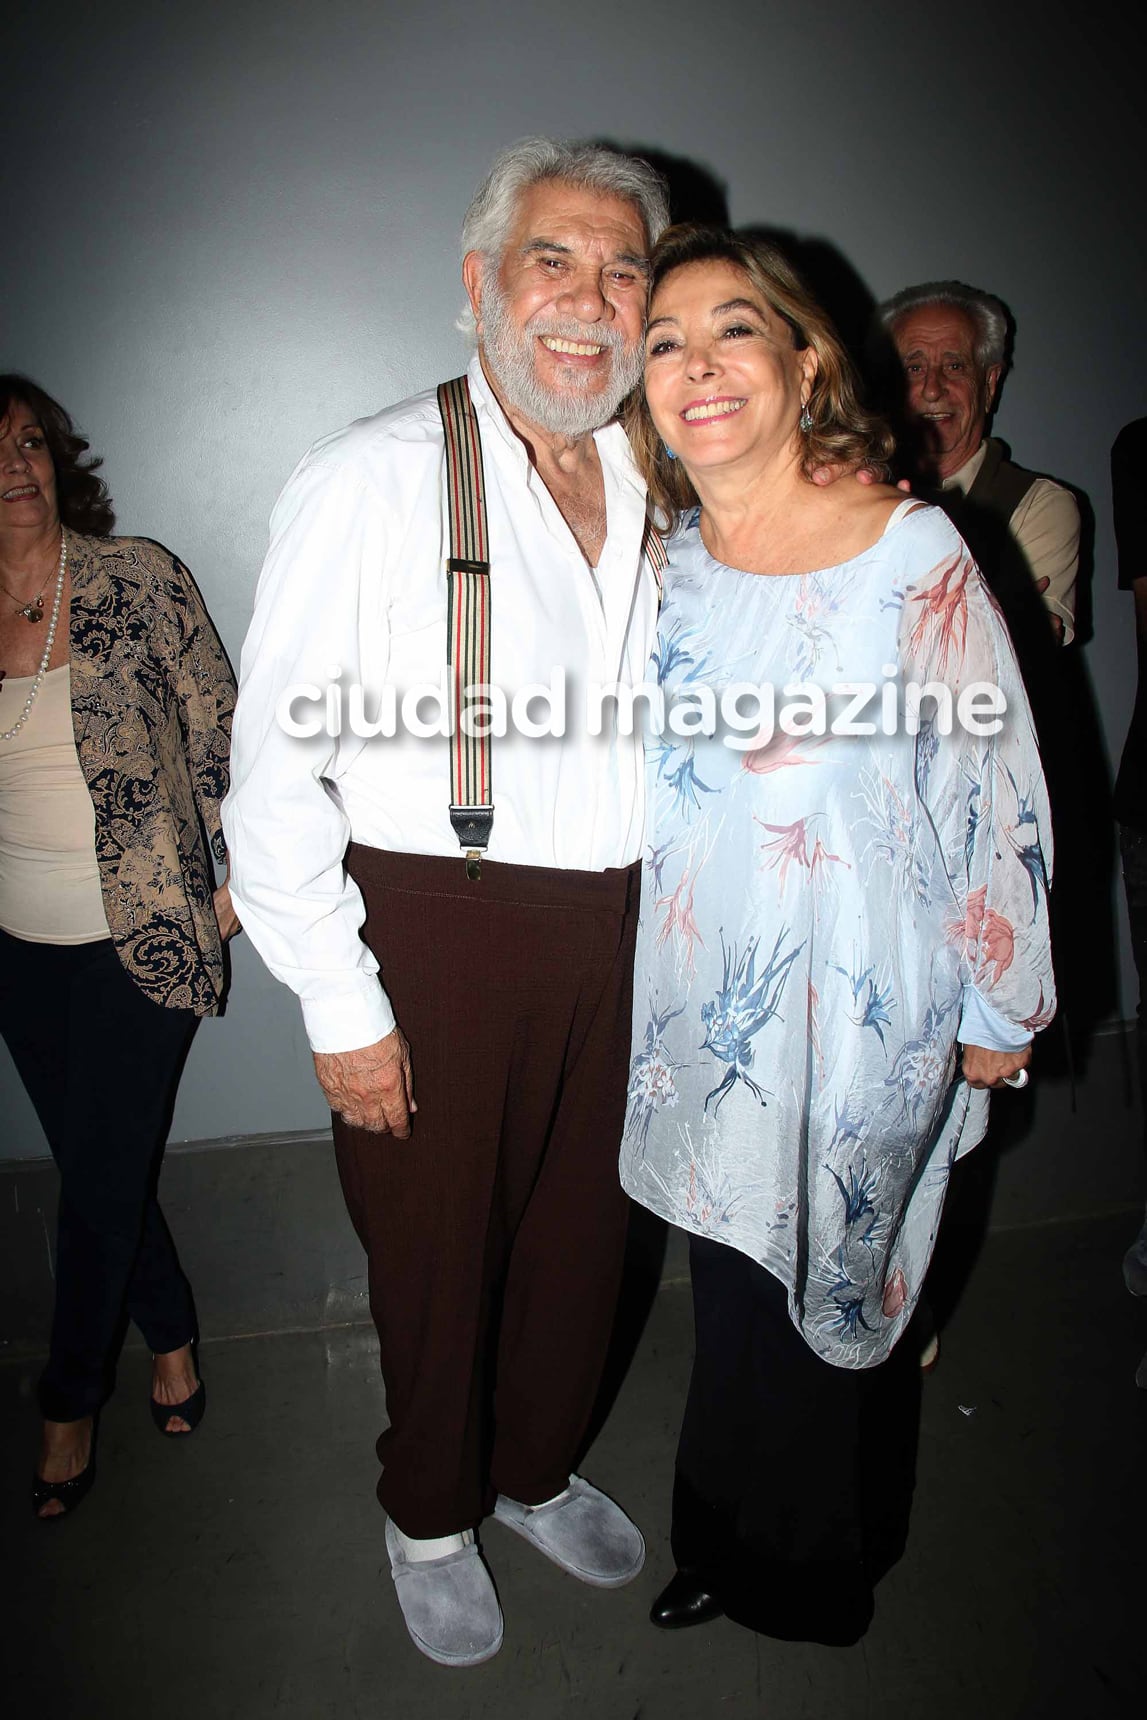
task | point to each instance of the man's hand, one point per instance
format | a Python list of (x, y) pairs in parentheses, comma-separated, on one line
[(1041, 586), (372, 1088), (982, 1068), (824, 475)]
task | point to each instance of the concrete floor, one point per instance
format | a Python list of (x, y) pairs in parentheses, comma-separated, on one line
[(243, 1575)]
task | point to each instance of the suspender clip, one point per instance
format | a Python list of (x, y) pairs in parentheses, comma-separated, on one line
[(474, 865)]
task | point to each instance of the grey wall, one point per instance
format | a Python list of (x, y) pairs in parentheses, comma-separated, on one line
[(230, 228)]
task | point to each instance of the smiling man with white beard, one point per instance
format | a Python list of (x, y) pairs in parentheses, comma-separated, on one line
[(509, 355), (495, 888)]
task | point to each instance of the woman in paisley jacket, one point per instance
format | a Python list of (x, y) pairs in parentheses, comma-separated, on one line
[(115, 712)]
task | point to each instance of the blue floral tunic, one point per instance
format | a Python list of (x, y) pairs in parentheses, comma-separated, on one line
[(824, 917)]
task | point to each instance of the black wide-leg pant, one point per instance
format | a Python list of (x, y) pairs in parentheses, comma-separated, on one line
[(495, 1236), (794, 1478), (1133, 854), (100, 1063)]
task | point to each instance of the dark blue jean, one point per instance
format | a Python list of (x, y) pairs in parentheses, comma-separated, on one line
[(100, 1063)]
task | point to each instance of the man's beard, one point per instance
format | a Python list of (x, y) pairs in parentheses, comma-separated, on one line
[(571, 411)]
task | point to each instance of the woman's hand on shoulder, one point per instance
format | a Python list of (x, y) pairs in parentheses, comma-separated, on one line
[(983, 1068)]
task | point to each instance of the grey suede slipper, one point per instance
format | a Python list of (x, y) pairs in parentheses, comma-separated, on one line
[(583, 1531), (449, 1604)]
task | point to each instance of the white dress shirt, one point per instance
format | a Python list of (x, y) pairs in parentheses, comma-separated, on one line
[(1046, 527), (355, 581)]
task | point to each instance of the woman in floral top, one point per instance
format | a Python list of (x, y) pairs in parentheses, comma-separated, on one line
[(843, 942)]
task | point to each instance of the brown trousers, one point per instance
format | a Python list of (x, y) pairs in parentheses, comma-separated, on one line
[(495, 1235)]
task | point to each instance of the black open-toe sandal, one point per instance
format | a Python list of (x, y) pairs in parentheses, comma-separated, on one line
[(71, 1494), (190, 1410)]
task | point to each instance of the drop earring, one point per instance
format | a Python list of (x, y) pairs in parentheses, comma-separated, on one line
[(806, 418), (669, 450)]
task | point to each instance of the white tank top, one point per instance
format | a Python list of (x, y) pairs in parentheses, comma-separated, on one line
[(49, 876)]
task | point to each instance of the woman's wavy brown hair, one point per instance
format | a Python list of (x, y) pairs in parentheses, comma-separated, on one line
[(843, 432), (82, 498)]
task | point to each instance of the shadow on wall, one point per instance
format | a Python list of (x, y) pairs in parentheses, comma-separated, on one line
[(695, 192), (832, 280)]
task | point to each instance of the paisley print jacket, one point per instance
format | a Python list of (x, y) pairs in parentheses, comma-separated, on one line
[(152, 697)]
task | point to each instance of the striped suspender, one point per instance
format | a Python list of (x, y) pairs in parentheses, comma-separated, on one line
[(655, 553), (468, 618), (468, 622)]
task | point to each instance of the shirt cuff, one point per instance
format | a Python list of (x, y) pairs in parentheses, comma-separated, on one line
[(348, 1020), (980, 1024)]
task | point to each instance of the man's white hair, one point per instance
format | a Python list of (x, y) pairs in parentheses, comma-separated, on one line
[(986, 311), (588, 166)]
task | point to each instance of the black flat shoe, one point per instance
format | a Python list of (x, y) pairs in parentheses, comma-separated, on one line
[(683, 1602), (190, 1410)]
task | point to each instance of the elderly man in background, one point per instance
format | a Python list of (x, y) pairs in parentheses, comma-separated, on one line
[(494, 1222), (952, 344)]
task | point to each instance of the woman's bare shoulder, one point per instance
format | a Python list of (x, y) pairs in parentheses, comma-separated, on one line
[(853, 517), (883, 499)]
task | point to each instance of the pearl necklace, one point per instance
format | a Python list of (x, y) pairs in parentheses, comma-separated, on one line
[(10, 734)]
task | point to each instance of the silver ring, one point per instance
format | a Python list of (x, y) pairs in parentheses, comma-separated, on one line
[(1018, 1080)]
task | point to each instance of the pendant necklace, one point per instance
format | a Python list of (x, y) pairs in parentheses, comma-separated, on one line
[(10, 734), (33, 610)]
